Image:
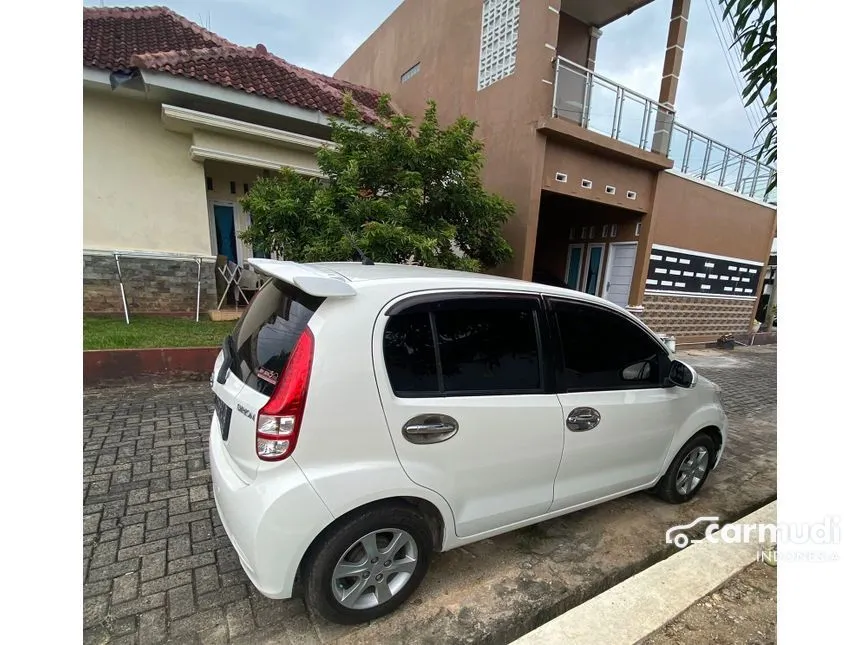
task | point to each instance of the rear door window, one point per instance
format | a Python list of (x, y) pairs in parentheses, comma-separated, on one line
[(410, 354), (489, 347), (465, 346), (265, 335)]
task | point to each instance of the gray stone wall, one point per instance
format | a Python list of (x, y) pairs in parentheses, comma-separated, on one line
[(151, 285)]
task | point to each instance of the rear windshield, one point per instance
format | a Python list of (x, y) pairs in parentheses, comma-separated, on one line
[(265, 335)]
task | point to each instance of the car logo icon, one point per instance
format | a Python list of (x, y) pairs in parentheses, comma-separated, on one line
[(677, 535)]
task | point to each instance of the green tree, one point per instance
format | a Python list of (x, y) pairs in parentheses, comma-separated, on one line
[(396, 192), (754, 24)]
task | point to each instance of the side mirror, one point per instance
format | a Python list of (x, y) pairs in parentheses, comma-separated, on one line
[(682, 375)]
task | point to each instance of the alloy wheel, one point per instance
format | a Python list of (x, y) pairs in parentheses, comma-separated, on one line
[(692, 470), (374, 568)]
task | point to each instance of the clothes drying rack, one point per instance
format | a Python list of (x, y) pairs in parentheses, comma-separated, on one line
[(154, 256)]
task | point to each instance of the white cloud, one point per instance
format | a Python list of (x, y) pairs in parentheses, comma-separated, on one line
[(644, 77), (632, 50), (339, 49)]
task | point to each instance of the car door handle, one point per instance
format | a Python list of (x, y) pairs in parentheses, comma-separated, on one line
[(430, 428), (582, 419)]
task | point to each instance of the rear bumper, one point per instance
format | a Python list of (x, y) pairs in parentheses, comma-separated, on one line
[(270, 522)]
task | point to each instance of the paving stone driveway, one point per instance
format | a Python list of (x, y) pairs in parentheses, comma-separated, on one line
[(158, 567)]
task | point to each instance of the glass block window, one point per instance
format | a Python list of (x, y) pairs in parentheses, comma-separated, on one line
[(409, 73), (498, 58)]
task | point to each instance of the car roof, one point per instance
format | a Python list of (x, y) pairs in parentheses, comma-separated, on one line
[(415, 275), (357, 272), (345, 279), (334, 278)]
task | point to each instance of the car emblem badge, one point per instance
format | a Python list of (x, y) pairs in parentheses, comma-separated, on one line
[(245, 411)]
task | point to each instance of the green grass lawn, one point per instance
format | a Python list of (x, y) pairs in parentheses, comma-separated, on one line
[(102, 332)]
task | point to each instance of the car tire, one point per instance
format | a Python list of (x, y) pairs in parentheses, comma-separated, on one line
[(403, 542), (676, 488)]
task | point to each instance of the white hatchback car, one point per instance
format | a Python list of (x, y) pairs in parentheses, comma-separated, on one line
[(366, 416)]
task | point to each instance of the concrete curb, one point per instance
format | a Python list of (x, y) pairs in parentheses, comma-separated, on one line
[(111, 366), (642, 604), (520, 623)]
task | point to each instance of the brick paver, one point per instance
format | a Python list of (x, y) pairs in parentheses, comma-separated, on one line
[(157, 565)]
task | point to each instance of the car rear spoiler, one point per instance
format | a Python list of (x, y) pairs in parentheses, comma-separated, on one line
[(309, 279)]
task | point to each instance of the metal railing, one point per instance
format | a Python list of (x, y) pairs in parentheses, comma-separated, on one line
[(602, 105), (700, 156)]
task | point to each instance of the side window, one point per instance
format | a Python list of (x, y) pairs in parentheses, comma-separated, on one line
[(464, 346), (603, 351), (489, 347), (410, 356)]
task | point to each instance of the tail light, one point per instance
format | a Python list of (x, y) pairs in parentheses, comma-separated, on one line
[(279, 421)]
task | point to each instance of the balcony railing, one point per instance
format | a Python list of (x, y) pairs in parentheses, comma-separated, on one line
[(601, 105)]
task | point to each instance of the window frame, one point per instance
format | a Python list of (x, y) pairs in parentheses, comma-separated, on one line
[(552, 303), (410, 73), (436, 302)]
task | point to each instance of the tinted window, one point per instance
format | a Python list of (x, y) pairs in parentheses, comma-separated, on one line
[(603, 351), (266, 333), (488, 346), (484, 345), (410, 357)]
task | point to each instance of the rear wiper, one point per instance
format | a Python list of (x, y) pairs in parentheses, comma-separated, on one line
[(229, 354)]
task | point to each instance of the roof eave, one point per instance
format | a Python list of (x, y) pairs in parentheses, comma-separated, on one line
[(171, 82), (155, 81), (96, 77)]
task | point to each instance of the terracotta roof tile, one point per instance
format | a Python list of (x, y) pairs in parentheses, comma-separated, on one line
[(158, 39)]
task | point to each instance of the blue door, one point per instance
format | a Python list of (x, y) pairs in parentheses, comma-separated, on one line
[(225, 232), (592, 269), (574, 265)]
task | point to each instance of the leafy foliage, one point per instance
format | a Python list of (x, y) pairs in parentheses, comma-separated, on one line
[(396, 192), (755, 33)]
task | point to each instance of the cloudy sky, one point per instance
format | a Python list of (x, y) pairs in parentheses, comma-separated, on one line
[(320, 35)]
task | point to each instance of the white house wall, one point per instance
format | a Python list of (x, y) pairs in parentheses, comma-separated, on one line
[(142, 190)]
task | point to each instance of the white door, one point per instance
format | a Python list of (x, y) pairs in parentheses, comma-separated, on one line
[(619, 272), (618, 418), (463, 386)]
